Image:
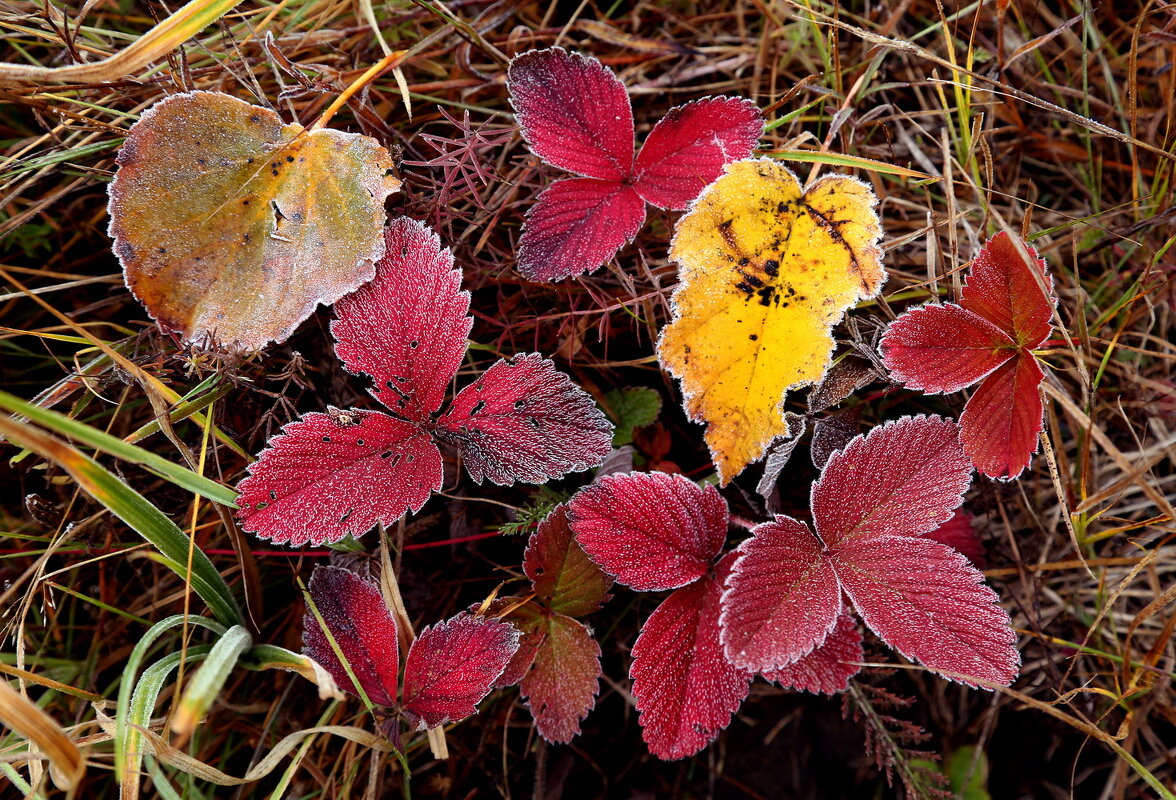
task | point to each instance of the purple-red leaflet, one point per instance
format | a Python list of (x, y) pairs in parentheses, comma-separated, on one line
[(575, 114), (362, 627), (650, 531), (904, 478), (561, 685), (927, 602), (327, 476), (524, 420), (453, 665), (332, 475), (919, 596), (1004, 314), (684, 687), (827, 669), (781, 600)]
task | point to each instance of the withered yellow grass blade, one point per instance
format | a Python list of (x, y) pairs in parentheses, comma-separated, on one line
[(151, 46)]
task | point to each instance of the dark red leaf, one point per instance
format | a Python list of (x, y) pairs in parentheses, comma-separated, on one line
[(943, 348), (833, 433), (407, 328), (827, 669), (524, 420), (576, 225), (958, 534), (453, 665), (562, 684), (927, 602), (564, 579), (1004, 289), (362, 627), (573, 111), (781, 599), (688, 148), (531, 623), (650, 531), (685, 689), (904, 478), (327, 476), (1002, 421)]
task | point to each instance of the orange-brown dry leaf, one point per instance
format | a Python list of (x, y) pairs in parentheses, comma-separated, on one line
[(766, 270), (231, 227)]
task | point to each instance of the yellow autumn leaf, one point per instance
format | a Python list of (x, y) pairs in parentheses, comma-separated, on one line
[(766, 269)]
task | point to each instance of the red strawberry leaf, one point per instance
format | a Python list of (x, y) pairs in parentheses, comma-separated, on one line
[(943, 348), (363, 629), (827, 669), (573, 111), (781, 600), (1005, 310), (565, 580), (576, 225), (1007, 290), (327, 476), (650, 531), (685, 689), (524, 420), (407, 328), (904, 478), (689, 147), (453, 665), (958, 534), (926, 601), (1003, 419), (563, 680)]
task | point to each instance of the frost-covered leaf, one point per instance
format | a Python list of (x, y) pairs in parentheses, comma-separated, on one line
[(531, 622), (927, 602), (843, 379), (575, 114), (827, 669), (904, 478), (684, 687), (781, 599), (407, 327), (631, 407), (1004, 314), (578, 224), (561, 685), (650, 531), (362, 627), (958, 534), (691, 144), (231, 226), (563, 578), (453, 665), (524, 420), (327, 476), (767, 268)]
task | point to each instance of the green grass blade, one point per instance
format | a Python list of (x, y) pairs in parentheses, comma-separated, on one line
[(208, 681), (133, 509), (131, 672), (81, 432)]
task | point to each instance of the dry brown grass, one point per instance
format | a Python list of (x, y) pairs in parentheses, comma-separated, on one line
[(1051, 123)]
